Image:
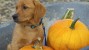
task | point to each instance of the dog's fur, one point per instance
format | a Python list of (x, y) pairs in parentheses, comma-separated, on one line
[(29, 12)]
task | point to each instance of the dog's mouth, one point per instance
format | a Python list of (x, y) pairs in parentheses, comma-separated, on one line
[(20, 22), (16, 20)]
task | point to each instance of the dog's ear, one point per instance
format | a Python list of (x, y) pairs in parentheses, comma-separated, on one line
[(40, 10)]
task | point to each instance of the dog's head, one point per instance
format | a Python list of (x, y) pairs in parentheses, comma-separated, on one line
[(29, 11)]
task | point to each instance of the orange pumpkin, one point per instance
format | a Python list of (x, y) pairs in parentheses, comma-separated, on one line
[(30, 47), (67, 34)]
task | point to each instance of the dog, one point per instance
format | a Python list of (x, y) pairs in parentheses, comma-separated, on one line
[(28, 23)]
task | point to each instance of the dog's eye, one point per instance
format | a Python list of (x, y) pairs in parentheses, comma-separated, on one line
[(25, 7)]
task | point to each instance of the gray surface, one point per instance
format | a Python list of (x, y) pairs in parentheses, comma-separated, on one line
[(5, 36), (55, 10)]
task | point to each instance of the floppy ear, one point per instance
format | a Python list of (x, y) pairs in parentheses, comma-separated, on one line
[(39, 11)]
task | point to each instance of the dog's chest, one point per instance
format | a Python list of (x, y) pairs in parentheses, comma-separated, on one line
[(28, 35)]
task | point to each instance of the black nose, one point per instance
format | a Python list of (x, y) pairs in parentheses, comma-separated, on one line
[(15, 17)]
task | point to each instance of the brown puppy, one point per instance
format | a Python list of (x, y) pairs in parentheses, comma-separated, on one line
[(27, 18)]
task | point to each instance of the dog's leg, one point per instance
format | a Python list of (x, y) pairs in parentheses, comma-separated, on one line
[(12, 47), (9, 47)]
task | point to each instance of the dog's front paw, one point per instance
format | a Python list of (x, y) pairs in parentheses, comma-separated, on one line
[(9, 47)]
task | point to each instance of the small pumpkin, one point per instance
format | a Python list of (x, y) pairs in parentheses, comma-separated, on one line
[(36, 46), (68, 34), (30, 47)]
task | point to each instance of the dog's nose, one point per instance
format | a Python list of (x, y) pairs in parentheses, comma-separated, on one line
[(15, 17)]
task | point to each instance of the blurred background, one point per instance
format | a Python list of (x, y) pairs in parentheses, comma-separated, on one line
[(7, 8), (55, 10)]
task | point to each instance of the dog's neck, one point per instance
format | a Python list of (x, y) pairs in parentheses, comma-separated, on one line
[(32, 25)]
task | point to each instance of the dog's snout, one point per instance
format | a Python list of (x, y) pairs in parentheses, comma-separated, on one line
[(15, 17)]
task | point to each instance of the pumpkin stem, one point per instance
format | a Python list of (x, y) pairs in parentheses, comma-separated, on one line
[(69, 14), (73, 23)]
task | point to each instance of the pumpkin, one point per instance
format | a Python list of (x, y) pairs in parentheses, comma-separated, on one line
[(30, 47), (36, 46), (68, 34)]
